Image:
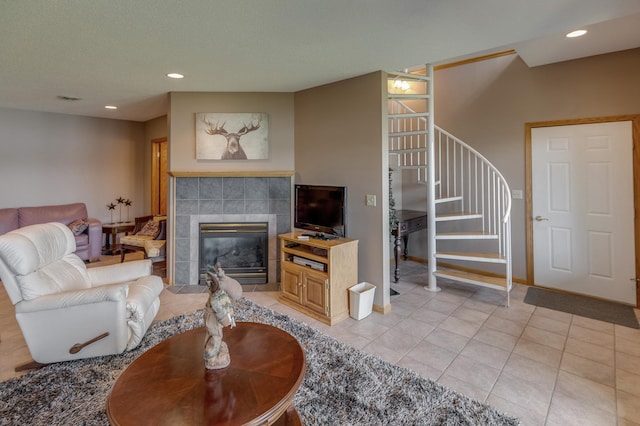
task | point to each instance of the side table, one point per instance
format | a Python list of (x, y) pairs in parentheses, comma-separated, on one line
[(169, 384), (408, 221), (111, 230)]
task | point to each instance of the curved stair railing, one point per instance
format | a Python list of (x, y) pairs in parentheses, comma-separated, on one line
[(471, 201), (483, 193)]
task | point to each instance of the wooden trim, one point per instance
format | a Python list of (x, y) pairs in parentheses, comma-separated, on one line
[(414, 259), (234, 173), (636, 199), (422, 71), (635, 135), (577, 121), (154, 175), (528, 203), (158, 188), (476, 59), (383, 310)]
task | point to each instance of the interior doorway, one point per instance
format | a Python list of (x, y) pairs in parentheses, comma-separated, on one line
[(580, 222), (159, 176)]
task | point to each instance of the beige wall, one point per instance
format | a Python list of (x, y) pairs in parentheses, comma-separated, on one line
[(339, 136), (487, 104), (50, 158), (184, 106), (181, 122)]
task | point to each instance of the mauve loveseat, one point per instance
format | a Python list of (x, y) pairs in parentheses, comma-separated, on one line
[(88, 242)]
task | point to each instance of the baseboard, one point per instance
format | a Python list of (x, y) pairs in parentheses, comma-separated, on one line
[(382, 309)]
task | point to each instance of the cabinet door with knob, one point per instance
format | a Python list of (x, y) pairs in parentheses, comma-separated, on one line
[(315, 291), (291, 283), (302, 286), (316, 274)]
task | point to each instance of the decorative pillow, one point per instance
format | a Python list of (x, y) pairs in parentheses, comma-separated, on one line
[(78, 226), (150, 229)]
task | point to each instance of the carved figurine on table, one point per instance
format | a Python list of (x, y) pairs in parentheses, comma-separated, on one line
[(218, 313)]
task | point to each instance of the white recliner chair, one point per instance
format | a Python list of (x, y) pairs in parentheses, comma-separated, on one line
[(67, 311)]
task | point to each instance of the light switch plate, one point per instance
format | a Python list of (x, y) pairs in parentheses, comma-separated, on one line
[(516, 194), (370, 200)]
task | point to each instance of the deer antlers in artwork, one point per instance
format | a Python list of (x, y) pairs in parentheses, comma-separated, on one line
[(233, 150)]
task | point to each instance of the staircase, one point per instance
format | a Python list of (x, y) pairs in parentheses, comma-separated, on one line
[(468, 201)]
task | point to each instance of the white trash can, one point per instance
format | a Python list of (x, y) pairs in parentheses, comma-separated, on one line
[(361, 300)]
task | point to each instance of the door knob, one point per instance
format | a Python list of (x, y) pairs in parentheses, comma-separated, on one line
[(540, 218)]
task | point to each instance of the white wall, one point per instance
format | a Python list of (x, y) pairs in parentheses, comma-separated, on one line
[(50, 158)]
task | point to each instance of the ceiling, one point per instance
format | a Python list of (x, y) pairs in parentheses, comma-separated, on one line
[(118, 52)]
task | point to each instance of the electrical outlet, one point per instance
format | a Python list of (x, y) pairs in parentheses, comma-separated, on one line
[(516, 194), (370, 200)]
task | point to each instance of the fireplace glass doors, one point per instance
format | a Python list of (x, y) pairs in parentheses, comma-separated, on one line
[(240, 248)]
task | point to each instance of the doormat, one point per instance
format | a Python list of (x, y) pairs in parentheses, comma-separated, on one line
[(596, 309)]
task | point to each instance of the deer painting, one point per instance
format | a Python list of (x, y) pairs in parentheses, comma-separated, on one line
[(234, 150)]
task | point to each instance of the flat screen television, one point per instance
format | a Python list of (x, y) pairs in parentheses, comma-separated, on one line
[(321, 208)]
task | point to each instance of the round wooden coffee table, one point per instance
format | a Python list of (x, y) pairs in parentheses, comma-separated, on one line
[(169, 385)]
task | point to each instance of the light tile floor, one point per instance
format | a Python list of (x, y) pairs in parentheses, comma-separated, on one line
[(544, 366)]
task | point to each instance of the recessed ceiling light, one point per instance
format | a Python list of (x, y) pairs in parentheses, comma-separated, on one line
[(175, 75), (111, 107), (576, 33)]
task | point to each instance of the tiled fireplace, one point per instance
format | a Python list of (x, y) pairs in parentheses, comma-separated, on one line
[(208, 199)]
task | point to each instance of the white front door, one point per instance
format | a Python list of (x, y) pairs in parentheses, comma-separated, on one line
[(582, 205)]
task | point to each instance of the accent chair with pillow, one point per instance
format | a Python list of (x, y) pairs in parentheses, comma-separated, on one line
[(148, 235), (67, 311)]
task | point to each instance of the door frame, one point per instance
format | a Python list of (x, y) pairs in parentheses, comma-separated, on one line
[(528, 165), (155, 185)]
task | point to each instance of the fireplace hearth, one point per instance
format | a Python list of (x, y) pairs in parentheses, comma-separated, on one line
[(240, 248)]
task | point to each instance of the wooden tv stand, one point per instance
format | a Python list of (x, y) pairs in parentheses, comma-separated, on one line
[(316, 275)]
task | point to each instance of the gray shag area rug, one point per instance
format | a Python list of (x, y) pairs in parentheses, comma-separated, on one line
[(342, 385), (597, 309)]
